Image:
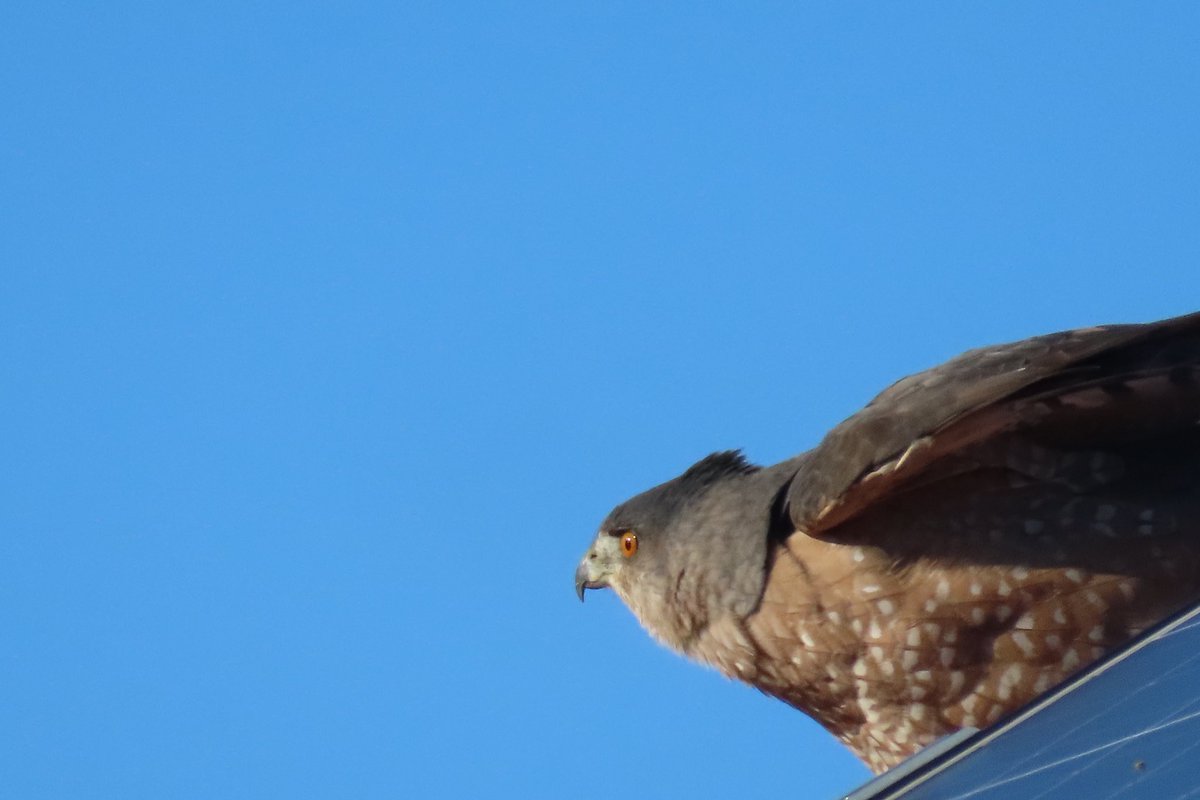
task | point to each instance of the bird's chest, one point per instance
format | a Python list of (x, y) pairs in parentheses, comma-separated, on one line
[(859, 648), (889, 660)]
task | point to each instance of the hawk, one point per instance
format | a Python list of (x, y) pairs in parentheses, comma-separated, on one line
[(973, 536)]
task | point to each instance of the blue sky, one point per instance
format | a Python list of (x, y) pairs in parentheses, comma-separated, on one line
[(330, 332)]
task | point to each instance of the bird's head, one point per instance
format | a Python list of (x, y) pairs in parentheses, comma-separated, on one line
[(698, 533)]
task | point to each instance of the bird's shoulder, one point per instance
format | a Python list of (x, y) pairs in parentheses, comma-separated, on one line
[(919, 419)]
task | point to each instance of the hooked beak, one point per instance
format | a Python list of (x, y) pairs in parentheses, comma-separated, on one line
[(584, 578)]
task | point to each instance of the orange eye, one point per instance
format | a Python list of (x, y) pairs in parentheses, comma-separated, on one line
[(628, 543)]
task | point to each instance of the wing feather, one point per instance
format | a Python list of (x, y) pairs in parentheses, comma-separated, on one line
[(904, 436)]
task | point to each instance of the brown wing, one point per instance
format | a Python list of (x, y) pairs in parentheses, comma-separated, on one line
[(1107, 382)]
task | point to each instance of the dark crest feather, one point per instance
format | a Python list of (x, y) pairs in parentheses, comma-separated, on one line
[(711, 468)]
